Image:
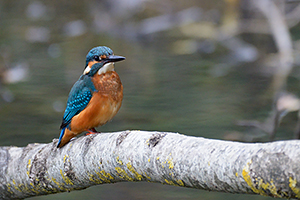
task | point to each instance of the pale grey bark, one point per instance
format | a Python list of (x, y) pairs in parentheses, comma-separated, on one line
[(268, 169)]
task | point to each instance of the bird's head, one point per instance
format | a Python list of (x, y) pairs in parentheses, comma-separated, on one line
[(100, 59)]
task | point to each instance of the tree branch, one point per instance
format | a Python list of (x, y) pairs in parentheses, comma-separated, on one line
[(270, 169), (282, 38)]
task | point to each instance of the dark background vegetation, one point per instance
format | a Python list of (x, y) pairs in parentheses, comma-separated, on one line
[(193, 67)]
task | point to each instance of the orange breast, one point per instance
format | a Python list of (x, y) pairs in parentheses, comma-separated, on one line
[(104, 104)]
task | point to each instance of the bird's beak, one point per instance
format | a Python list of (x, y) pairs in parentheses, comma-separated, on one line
[(114, 58)]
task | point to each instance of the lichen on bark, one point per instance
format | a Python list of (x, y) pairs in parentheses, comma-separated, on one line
[(269, 169)]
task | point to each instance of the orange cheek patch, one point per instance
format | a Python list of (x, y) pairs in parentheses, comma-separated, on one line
[(91, 63), (103, 57)]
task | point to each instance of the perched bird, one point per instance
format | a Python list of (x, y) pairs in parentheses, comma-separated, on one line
[(95, 98)]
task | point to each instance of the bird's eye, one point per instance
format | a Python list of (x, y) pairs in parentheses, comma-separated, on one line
[(97, 58)]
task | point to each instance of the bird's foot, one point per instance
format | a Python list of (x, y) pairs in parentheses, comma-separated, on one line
[(92, 131)]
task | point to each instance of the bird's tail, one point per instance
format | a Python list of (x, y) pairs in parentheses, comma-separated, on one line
[(59, 144), (65, 136)]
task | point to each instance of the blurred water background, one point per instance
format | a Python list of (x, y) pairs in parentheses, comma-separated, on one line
[(214, 69)]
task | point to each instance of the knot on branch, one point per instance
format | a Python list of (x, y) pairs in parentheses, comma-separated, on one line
[(68, 169), (269, 173), (37, 169), (122, 137), (155, 139)]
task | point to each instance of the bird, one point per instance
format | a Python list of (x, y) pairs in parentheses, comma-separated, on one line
[(95, 98)]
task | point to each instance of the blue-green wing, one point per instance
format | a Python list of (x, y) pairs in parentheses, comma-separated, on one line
[(79, 97)]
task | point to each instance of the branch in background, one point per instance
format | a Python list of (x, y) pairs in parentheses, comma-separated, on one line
[(282, 38), (270, 169), (285, 103)]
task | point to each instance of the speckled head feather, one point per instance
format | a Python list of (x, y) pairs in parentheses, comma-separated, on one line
[(97, 51)]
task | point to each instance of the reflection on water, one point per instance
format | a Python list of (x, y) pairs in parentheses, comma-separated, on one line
[(172, 81)]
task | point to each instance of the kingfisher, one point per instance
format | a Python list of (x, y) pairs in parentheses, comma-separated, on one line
[(95, 98)]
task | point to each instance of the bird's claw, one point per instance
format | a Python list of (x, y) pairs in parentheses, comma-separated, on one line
[(92, 131)]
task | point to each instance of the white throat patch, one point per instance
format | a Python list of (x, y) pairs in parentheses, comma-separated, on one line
[(106, 68)]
